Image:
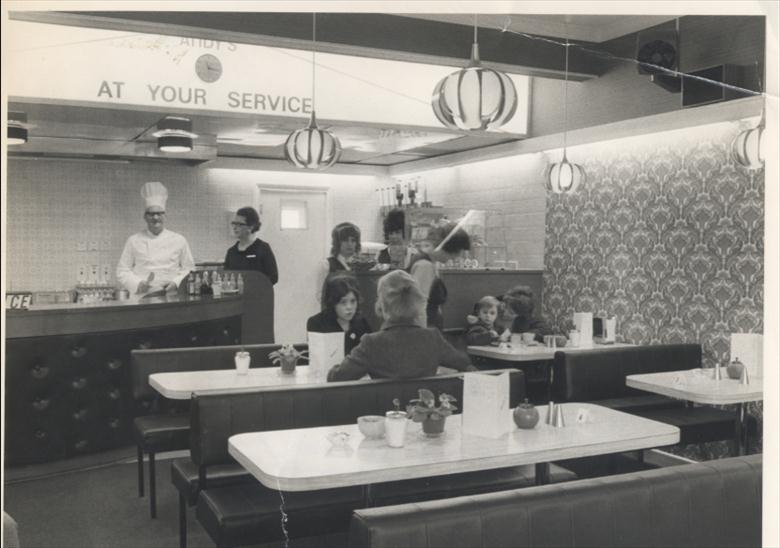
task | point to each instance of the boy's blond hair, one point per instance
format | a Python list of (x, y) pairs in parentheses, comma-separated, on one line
[(399, 299)]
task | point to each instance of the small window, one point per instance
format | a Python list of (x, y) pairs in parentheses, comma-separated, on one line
[(294, 215)]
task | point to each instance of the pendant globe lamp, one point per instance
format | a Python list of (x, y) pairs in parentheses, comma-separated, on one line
[(474, 98), (564, 176), (312, 147), (749, 147)]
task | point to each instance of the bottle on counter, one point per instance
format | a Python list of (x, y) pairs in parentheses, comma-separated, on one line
[(191, 284), (205, 288), (240, 283), (216, 285)]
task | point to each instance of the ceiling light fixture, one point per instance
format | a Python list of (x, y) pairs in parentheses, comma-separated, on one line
[(749, 147), (17, 128), (563, 176), (174, 134), (312, 147), (474, 98)]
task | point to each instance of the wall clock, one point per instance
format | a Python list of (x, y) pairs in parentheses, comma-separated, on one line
[(208, 68)]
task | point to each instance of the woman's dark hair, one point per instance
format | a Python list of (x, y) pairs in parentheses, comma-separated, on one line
[(341, 232), (395, 221), (520, 300), (459, 241), (251, 216), (336, 287)]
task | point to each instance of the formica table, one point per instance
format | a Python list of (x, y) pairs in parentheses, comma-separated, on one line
[(699, 386), (181, 385), (303, 459)]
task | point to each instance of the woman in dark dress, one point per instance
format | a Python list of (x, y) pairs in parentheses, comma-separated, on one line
[(340, 311), (250, 252)]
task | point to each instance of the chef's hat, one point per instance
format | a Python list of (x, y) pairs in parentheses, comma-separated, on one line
[(154, 194)]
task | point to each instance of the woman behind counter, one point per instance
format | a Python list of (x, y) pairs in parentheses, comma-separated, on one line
[(444, 242), (250, 252), (404, 348), (345, 244), (340, 311)]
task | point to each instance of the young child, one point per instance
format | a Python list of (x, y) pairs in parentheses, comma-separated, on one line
[(483, 328)]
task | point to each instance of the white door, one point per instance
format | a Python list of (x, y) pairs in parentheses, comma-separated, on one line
[(294, 223)]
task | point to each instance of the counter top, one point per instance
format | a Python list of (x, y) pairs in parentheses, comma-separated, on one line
[(77, 318)]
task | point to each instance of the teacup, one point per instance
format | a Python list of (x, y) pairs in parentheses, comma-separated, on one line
[(371, 426), (528, 338)]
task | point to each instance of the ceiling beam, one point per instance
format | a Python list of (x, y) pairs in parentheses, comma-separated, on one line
[(360, 34)]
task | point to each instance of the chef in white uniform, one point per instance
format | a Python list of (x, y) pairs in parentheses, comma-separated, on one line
[(155, 258)]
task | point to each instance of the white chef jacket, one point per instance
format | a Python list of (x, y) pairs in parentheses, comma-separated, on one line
[(168, 255)]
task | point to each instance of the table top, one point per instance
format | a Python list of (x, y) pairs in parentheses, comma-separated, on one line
[(533, 353), (303, 459), (182, 384), (698, 385)]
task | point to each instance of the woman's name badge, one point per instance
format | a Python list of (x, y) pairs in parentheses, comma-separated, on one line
[(352, 336), (251, 256)]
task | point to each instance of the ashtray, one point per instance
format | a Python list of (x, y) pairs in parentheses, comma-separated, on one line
[(338, 439)]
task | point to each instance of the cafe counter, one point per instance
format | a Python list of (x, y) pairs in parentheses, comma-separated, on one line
[(67, 366)]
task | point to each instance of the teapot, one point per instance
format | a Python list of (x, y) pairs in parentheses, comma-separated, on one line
[(525, 415)]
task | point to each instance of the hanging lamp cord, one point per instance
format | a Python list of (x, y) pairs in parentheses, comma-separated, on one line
[(313, 63), (566, 97)]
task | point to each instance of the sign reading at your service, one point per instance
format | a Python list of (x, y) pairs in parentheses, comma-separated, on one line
[(18, 301), (113, 67)]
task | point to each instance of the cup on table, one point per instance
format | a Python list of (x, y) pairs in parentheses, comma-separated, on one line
[(516, 339), (395, 428), (241, 360), (549, 341), (529, 337), (574, 338), (371, 426)]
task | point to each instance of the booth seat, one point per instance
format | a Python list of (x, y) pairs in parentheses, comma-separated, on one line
[(246, 512), (599, 376), (166, 425), (714, 504)]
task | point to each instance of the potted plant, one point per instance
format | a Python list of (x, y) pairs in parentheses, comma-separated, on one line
[(287, 358), (423, 409)]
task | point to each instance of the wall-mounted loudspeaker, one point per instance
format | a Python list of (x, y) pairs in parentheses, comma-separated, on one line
[(657, 50)]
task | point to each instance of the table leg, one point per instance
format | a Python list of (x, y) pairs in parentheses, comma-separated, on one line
[(368, 496), (542, 475), (740, 430)]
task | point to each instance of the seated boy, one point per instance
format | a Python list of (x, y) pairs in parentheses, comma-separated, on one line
[(404, 348), (519, 302), (483, 327)]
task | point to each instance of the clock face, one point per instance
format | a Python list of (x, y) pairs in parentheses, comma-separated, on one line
[(208, 68)]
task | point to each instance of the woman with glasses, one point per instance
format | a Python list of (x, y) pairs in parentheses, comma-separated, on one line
[(250, 252)]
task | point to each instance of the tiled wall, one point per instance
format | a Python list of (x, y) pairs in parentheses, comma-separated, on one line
[(510, 189), (666, 234), (55, 204)]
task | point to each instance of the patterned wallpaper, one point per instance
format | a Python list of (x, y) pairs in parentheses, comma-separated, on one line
[(667, 235)]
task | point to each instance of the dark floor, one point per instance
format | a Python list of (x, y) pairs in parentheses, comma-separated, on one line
[(93, 502)]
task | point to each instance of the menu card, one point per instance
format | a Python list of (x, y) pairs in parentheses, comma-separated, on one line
[(486, 405), (749, 348), (583, 322), (325, 351)]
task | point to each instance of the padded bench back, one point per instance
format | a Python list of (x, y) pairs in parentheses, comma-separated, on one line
[(714, 503), (601, 374), (214, 418), (204, 358)]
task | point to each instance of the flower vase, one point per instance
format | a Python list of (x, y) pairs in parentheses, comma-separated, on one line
[(433, 428), (288, 365)]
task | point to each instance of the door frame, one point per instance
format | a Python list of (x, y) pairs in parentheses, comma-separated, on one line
[(322, 189)]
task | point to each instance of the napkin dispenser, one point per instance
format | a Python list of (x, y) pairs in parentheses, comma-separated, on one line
[(583, 322), (604, 330)]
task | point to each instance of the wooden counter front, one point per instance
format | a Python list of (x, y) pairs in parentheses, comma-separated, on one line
[(67, 367)]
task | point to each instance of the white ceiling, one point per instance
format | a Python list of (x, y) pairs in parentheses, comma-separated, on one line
[(588, 28)]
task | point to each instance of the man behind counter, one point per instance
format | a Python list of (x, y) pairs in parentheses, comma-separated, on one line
[(154, 259)]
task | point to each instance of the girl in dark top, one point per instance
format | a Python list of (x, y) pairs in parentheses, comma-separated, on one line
[(345, 244), (519, 303), (397, 254), (340, 303), (250, 252)]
